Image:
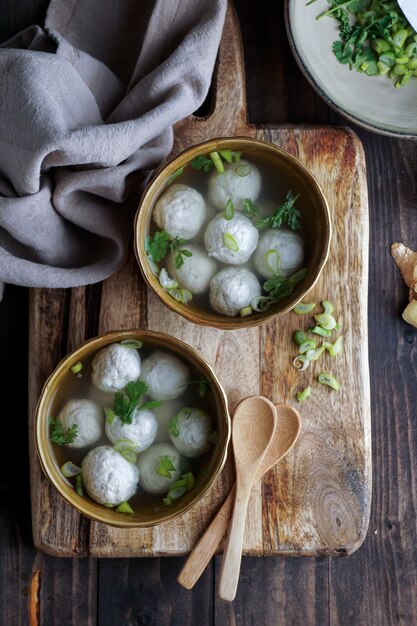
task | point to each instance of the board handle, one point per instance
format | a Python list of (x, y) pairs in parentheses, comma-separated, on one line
[(228, 114)]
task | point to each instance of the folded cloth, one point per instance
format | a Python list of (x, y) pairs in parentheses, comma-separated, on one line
[(87, 106)]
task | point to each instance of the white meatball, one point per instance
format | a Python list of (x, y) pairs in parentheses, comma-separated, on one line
[(149, 462), (165, 375), (229, 185), (89, 419), (114, 366), (190, 432), (290, 253), (231, 241), (107, 476), (141, 432), (196, 272), (181, 211), (163, 415), (233, 289)]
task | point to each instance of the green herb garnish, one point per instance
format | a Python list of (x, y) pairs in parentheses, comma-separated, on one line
[(124, 507), (58, 435), (285, 214), (79, 485), (179, 488), (203, 386), (279, 287), (75, 369), (158, 246), (201, 162), (174, 175), (127, 399), (166, 465), (172, 426)]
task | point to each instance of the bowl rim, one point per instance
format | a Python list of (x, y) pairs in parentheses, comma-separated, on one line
[(49, 465), (232, 323), (375, 128)]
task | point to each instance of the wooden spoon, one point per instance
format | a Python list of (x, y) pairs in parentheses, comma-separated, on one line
[(285, 435), (253, 426)]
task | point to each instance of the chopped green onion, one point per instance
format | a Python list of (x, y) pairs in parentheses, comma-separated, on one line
[(75, 369), (132, 343), (304, 307), (227, 155), (319, 330), (272, 260), (129, 455), (186, 295), (79, 485), (179, 488), (109, 505), (335, 348), (176, 294), (230, 242), (327, 306), (314, 355), (326, 321), (218, 163), (172, 426), (307, 345), (299, 337), (243, 169), (166, 281), (229, 210), (303, 395), (301, 362), (260, 304), (246, 311), (124, 507), (110, 415), (236, 156), (69, 470), (166, 465), (153, 266), (174, 175), (328, 379), (124, 444)]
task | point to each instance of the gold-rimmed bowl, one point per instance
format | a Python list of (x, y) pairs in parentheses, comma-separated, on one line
[(315, 219), (216, 406)]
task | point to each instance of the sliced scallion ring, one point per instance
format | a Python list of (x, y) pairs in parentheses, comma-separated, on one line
[(329, 380), (75, 369), (129, 455), (327, 307), (314, 355), (307, 345), (304, 307), (319, 330), (229, 210), (132, 343), (227, 155), (176, 294), (166, 281), (299, 337), (230, 242), (335, 348), (109, 505), (272, 260), (243, 169), (301, 362), (303, 395), (260, 304), (153, 266), (124, 444), (69, 470), (247, 310), (326, 321), (110, 415), (186, 295), (79, 485), (124, 507), (174, 175)]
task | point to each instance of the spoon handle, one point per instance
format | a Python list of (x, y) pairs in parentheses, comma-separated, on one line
[(206, 546), (230, 569)]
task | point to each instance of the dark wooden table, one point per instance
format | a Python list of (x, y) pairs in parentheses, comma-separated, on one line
[(376, 586)]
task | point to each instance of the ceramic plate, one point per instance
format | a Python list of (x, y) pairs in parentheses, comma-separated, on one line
[(370, 101)]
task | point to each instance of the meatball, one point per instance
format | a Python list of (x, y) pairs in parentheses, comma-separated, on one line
[(231, 241), (234, 185), (163, 415), (114, 366), (181, 211), (233, 289), (196, 272), (107, 476), (190, 432), (141, 432), (279, 251), (150, 461), (89, 419), (165, 376)]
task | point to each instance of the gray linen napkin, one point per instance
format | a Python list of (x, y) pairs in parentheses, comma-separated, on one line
[(87, 106)]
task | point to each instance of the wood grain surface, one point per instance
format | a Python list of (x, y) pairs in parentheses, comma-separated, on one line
[(317, 501), (374, 586)]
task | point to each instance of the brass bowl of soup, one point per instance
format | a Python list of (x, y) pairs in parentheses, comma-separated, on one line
[(132, 428), (232, 232)]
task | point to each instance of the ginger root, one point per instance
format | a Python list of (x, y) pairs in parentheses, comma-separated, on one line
[(406, 259)]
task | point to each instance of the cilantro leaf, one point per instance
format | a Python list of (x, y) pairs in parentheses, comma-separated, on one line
[(201, 162), (157, 246), (284, 214), (203, 386), (250, 210), (58, 435), (279, 287), (126, 400), (173, 426)]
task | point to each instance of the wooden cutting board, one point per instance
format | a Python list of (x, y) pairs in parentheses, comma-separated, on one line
[(316, 502)]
